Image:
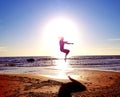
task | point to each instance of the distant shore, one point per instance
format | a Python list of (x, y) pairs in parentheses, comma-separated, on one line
[(98, 83)]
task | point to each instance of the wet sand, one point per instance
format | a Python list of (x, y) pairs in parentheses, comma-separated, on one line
[(90, 83)]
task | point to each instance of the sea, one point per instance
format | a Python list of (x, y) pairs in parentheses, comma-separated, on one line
[(48, 65)]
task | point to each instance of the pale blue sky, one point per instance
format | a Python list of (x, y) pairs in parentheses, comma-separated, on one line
[(22, 21)]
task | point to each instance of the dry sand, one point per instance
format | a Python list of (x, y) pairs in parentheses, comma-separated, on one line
[(98, 84)]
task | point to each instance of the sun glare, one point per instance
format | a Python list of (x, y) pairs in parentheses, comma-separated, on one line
[(56, 28), (61, 64), (63, 67)]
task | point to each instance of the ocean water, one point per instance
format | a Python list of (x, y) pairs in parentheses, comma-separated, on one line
[(48, 65)]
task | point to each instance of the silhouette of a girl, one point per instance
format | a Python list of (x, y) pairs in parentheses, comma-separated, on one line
[(62, 43)]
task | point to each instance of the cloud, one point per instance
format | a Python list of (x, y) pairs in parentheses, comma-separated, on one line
[(114, 39), (3, 49)]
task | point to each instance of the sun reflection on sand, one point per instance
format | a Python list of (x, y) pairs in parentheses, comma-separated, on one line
[(63, 67), (64, 70)]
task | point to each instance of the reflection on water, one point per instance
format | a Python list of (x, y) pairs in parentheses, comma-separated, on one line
[(61, 64)]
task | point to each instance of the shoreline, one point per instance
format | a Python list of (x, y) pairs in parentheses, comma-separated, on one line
[(98, 83)]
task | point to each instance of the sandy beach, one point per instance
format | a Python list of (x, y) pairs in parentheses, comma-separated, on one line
[(91, 84)]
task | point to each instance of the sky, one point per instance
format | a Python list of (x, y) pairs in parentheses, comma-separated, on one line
[(31, 27)]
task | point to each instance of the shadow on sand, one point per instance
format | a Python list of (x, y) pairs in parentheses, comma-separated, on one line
[(67, 88)]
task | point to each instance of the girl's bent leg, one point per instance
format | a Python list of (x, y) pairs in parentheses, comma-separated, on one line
[(67, 52)]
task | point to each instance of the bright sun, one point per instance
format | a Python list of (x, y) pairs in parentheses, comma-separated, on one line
[(56, 28)]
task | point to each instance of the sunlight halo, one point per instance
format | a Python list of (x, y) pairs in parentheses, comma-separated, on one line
[(56, 28)]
